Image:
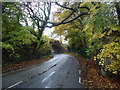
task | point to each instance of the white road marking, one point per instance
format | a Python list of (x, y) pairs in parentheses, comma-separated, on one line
[(79, 79), (48, 76), (79, 71), (14, 85), (47, 87)]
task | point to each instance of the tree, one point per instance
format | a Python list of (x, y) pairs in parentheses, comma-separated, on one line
[(40, 12), (11, 17), (19, 42), (94, 34), (118, 10)]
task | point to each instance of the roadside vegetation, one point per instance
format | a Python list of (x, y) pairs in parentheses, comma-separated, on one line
[(19, 42), (94, 36), (92, 77), (15, 66), (92, 30)]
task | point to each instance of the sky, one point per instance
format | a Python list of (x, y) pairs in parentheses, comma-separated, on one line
[(48, 31)]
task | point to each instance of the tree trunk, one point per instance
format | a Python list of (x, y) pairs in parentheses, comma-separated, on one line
[(118, 11)]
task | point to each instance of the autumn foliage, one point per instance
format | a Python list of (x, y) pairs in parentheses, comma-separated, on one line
[(15, 66), (91, 76)]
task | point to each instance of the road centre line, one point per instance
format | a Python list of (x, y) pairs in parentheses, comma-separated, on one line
[(30, 77), (13, 85)]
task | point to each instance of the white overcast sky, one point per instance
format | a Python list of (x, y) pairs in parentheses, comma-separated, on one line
[(48, 31)]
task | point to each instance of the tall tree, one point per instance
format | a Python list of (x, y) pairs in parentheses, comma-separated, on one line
[(40, 12), (94, 34), (118, 10)]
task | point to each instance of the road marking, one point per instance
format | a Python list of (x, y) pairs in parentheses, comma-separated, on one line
[(79, 79), (79, 71), (47, 69), (48, 76), (47, 87), (32, 77), (14, 85)]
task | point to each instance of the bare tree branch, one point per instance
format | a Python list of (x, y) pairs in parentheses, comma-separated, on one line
[(34, 16), (40, 14), (64, 6), (70, 8), (73, 11), (56, 24)]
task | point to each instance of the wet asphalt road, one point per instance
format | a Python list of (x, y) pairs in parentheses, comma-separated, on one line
[(62, 71)]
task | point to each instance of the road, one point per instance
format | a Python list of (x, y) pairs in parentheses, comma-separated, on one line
[(62, 71)]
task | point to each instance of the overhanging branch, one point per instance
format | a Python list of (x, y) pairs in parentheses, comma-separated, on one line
[(64, 6), (65, 22), (69, 7)]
